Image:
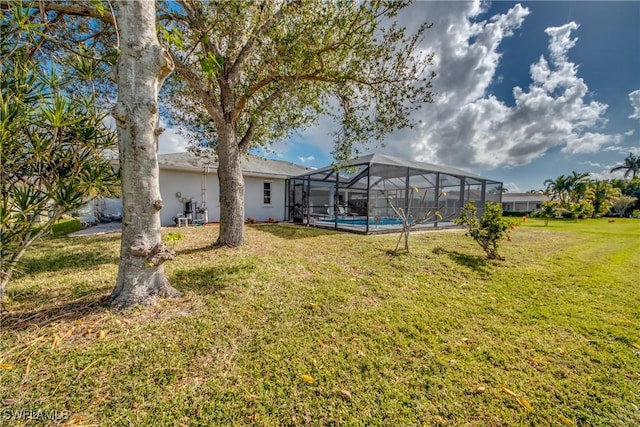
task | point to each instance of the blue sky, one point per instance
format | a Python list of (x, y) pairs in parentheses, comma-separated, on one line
[(526, 91)]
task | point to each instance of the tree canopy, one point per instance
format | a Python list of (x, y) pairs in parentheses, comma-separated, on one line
[(250, 73)]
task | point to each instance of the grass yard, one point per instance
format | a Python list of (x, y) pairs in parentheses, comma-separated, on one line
[(311, 327)]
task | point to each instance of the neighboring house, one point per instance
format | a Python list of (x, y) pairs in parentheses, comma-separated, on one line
[(522, 202), (189, 187)]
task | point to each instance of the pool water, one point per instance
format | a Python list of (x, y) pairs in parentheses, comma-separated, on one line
[(363, 221)]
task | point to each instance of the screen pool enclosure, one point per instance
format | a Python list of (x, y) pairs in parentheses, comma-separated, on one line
[(372, 193)]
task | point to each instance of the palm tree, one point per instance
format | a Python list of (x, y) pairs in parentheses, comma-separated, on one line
[(577, 186), (602, 194), (558, 189), (631, 165)]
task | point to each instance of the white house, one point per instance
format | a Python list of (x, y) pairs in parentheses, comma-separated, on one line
[(189, 187), (523, 202)]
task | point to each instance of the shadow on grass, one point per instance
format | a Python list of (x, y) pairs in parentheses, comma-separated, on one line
[(476, 263), (393, 253), (47, 314), (194, 250), (70, 257), (291, 231), (209, 280)]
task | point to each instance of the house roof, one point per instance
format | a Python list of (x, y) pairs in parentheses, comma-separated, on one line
[(251, 165), (524, 197), (382, 159)]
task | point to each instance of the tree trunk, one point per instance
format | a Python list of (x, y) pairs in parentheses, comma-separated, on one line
[(142, 67), (231, 189)]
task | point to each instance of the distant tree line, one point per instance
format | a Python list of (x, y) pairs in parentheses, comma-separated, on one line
[(578, 196)]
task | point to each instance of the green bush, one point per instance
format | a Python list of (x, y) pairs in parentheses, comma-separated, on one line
[(66, 226), (488, 230)]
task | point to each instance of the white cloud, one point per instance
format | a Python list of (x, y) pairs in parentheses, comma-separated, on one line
[(469, 127), (170, 140), (588, 142), (621, 149), (512, 187), (592, 164), (306, 159), (634, 97)]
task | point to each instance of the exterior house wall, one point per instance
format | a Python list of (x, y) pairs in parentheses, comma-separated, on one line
[(254, 205), (522, 202), (189, 184)]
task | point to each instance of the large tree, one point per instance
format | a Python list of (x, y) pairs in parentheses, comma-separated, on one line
[(558, 189), (142, 67), (93, 28), (251, 73)]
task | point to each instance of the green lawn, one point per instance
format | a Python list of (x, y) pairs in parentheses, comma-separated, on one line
[(310, 327)]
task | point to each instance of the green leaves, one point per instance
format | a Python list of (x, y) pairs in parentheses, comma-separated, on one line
[(174, 238), (211, 64), (489, 230), (631, 166), (172, 36), (53, 152), (279, 66), (99, 6)]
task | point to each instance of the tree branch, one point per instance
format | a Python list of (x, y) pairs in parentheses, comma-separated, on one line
[(79, 9), (196, 83), (264, 105), (234, 72)]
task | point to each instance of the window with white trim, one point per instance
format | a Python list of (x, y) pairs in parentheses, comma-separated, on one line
[(266, 193)]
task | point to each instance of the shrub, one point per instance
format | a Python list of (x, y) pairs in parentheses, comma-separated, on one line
[(488, 230), (581, 210), (250, 220)]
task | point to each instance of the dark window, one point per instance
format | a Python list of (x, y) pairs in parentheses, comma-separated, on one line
[(267, 193)]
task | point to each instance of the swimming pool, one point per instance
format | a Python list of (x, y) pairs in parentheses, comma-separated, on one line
[(363, 221)]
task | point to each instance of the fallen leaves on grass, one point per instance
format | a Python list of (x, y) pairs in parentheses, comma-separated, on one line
[(565, 420), (26, 347), (56, 342), (308, 379), (524, 402), (636, 345), (74, 421), (27, 369), (509, 392), (521, 400), (6, 366)]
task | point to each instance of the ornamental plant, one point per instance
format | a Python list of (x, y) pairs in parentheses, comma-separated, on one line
[(55, 153), (489, 230)]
